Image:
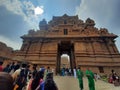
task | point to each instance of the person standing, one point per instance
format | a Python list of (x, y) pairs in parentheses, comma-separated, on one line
[(49, 83), (6, 69), (20, 77), (34, 72), (80, 78), (90, 76), (36, 81), (74, 72)]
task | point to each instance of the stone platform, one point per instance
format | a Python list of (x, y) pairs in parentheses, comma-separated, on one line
[(70, 83)]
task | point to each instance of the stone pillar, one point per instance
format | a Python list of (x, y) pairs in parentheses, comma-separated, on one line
[(72, 59)]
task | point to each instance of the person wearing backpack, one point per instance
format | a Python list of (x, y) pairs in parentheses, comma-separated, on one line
[(20, 77)]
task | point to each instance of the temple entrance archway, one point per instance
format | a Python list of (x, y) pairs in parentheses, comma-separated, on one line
[(65, 61), (65, 47)]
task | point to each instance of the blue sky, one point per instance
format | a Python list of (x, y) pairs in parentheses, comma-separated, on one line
[(19, 16)]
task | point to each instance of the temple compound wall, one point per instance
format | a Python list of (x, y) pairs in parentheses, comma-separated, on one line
[(6, 54), (86, 45)]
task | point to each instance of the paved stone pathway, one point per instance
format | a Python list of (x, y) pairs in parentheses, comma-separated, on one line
[(70, 83)]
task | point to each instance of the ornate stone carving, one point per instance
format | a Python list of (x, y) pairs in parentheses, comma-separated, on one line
[(103, 31), (89, 22), (73, 24)]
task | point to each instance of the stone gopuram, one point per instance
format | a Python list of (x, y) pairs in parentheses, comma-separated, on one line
[(86, 45)]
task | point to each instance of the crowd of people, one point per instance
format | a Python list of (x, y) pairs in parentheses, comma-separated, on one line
[(65, 72), (114, 78), (78, 73), (42, 79), (20, 77)]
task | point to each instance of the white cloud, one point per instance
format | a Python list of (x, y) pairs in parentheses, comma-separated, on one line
[(99, 10), (14, 6), (103, 12), (38, 10), (9, 42), (25, 9)]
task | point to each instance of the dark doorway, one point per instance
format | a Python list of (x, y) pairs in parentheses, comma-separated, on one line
[(65, 47)]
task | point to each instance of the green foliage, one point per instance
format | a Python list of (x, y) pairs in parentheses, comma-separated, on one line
[(104, 78)]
